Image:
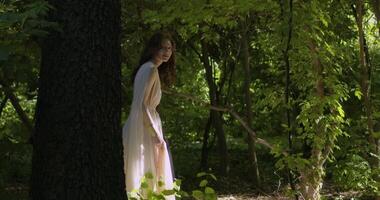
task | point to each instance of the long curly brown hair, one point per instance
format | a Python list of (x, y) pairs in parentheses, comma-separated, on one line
[(167, 69)]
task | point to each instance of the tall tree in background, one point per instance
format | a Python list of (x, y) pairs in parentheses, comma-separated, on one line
[(77, 148), (248, 99), (286, 7), (365, 82), (216, 117), (375, 4), (321, 117)]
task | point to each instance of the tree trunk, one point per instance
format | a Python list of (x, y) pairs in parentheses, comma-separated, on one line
[(366, 79), (376, 9), (365, 83), (248, 105), (216, 117), (311, 178), (311, 184), (77, 146), (205, 148), (285, 52)]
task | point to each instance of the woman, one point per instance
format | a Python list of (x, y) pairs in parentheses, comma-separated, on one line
[(145, 149)]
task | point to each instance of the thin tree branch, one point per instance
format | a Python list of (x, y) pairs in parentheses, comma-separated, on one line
[(16, 104), (2, 105), (229, 110)]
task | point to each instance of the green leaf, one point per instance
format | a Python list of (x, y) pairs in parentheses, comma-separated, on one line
[(149, 175), (178, 182), (213, 176), (323, 20), (133, 194), (168, 192), (160, 183), (144, 185), (203, 183), (183, 194), (358, 94), (197, 194), (209, 190), (341, 111), (211, 197), (200, 174)]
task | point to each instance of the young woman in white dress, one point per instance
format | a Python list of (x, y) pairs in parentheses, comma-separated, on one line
[(145, 150)]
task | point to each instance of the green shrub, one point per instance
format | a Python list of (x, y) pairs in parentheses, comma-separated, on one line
[(354, 173), (204, 192)]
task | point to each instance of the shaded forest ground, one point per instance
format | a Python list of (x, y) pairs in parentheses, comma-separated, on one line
[(237, 185)]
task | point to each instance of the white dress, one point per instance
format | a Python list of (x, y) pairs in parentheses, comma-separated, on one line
[(141, 155)]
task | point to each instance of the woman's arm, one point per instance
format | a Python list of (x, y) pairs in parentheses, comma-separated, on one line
[(148, 96)]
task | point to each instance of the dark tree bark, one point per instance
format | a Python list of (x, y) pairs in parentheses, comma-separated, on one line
[(216, 117), (248, 104), (311, 179), (375, 4), (77, 146), (289, 20), (205, 146), (365, 83)]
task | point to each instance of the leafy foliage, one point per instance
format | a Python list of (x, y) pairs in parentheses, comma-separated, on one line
[(334, 124), (354, 173), (146, 191)]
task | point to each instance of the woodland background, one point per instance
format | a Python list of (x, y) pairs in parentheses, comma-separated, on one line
[(277, 98)]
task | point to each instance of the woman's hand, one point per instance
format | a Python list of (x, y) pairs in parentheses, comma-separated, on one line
[(159, 145), (159, 142)]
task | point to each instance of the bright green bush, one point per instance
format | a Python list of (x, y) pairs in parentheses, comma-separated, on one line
[(204, 192)]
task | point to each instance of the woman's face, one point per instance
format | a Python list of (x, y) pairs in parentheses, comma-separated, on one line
[(165, 52)]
